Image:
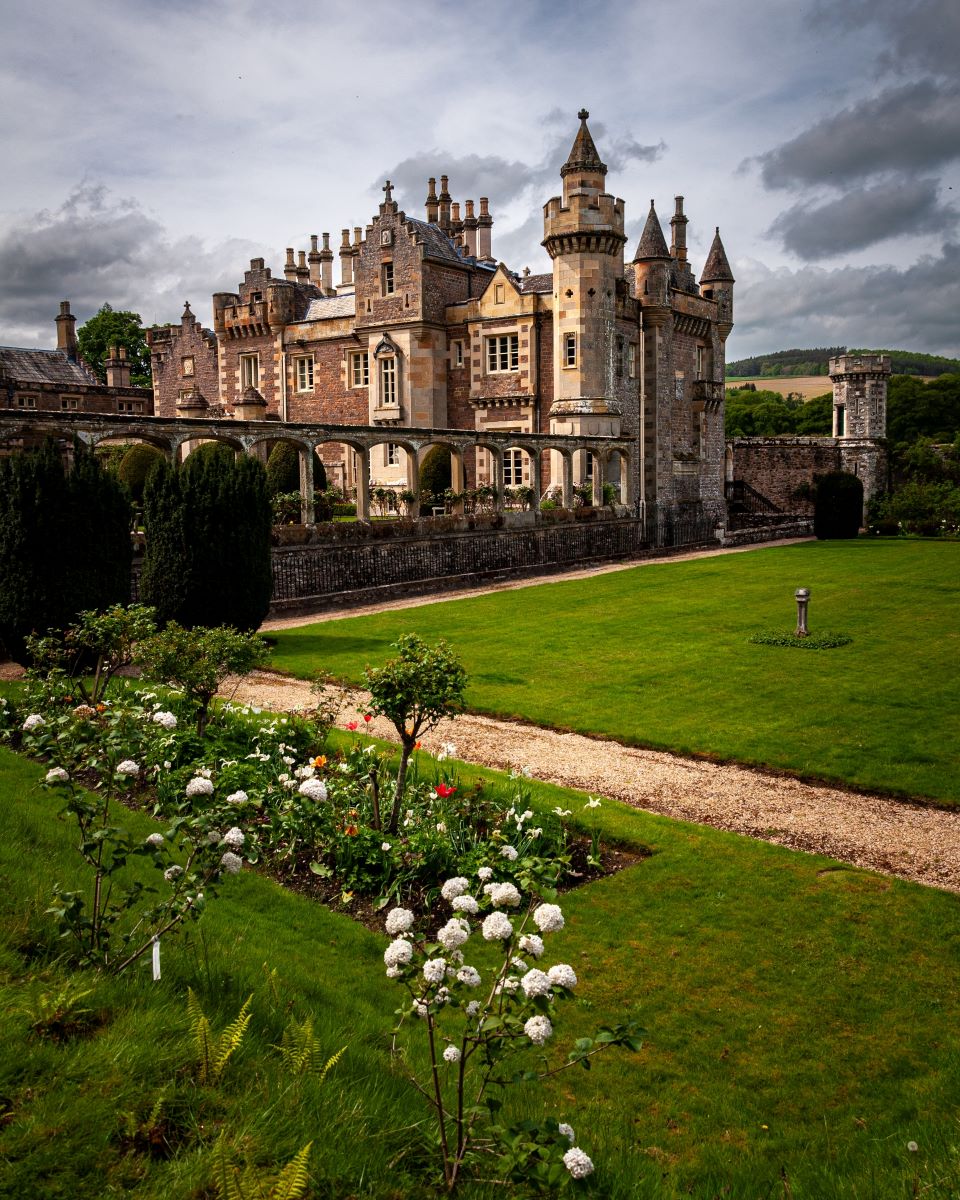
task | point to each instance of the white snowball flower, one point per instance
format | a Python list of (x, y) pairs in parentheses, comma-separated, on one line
[(519, 966), (451, 1054), (532, 943), (199, 786), (577, 1163), (214, 836), (231, 863), (488, 889), (398, 953), (567, 1131), (535, 983), (239, 797), (548, 918), (465, 904), (509, 853), (166, 719), (435, 970), (128, 767), (420, 1009), (472, 1008), (562, 975), (155, 839), (469, 976), (57, 775), (234, 838), (394, 972), (314, 789), (399, 920), (454, 933), (172, 873), (505, 895), (538, 1029), (34, 721), (484, 873), (455, 887), (496, 927)]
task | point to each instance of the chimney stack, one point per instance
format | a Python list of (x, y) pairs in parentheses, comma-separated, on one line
[(678, 231), (346, 259), (303, 271), (470, 230), (326, 267), (67, 331), (117, 367), (484, 224), (444, 204), (290, 267), (432, 210), (313, 258)]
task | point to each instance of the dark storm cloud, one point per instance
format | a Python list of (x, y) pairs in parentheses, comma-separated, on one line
[(97, 249), (913, 127), (864, 306), (903, 206), (923, 32)]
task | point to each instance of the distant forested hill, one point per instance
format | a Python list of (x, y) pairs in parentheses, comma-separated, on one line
[(815, 362)]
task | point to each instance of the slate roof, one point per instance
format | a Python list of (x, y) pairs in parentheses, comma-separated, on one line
[(716, 267), (537, 283), (331, 306), (435, 242), (652, 242), (26, 367)]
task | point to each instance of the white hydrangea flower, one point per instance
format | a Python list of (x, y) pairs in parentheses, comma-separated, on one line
[(399, 920), (435, 970), (519, 966), (535, 983), (455, 887), (509, 853), (398, 953), (172, 873), (234, 838), (451, 1054), (567, 1131), (469, 976), (34, 721), (213, 837), (548, 918), (128, 767), (394, 972), (496, 927), (420, 1009), (166, 719), (484, 873), (57, 775), (443, 995), (231, 863), (239, 797), (579, 1165), (199, 786), (505, 895), (454, 933), (472, 1008), (538, 1029), (562, 975), (465, 904), (155, 839), (314, 789), (532, 943), (488, 889)]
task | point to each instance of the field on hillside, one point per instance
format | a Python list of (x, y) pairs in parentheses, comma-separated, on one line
[(800, 1032), (660, 656), (808, 386)]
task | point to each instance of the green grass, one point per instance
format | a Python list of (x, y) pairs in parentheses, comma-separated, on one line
[(659, 656), (800, 1018)]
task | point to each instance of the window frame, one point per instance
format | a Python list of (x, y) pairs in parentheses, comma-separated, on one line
[(503, 348), (246, 362), (388, 285), (569, 351), (513, 458), (360, 378), (387, 368), (457, 347), (303, 368)]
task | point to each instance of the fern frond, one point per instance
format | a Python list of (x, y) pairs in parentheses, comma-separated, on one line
[(332, 1062), (225, 1177), (294, 1179), (231, 1038), (202, 1036)]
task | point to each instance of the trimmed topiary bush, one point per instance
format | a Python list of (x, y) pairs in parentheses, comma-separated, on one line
[(135, 466), (838, 505), (436, 471), (64, 543), (283, 470)]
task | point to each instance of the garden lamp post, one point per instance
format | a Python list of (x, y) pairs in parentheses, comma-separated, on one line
[(803, 599)]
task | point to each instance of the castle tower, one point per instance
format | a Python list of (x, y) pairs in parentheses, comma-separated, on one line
[(860, 395), (716, 283), (651, 263), (583, 234)]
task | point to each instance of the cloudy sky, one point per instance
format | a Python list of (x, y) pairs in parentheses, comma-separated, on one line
[(151, 150)]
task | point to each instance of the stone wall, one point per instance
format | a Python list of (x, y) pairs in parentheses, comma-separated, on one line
[(778, 467)]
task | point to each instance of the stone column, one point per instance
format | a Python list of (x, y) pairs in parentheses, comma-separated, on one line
[(566, 486), (458, 477), (413, 481), (363, 484), (534, 460), (307, 514), (599, 474), (496, 455), (626, 492)]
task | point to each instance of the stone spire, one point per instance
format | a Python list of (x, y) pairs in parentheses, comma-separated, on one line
[(652, 243), (583, 154), (717, 269)]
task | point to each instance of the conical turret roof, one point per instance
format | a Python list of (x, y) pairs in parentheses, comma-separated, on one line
[(583, 154), (716, 268), (652, 242)]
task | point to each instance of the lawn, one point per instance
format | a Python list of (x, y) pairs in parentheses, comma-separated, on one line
[(659, 656), (801, 1030)]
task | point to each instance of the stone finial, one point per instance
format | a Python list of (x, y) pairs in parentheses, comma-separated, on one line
[(387, 192)]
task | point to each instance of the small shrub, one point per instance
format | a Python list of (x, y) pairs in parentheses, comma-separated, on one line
[(135, 466), (813, 641)]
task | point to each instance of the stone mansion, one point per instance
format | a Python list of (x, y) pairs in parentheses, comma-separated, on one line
[(424, 328)]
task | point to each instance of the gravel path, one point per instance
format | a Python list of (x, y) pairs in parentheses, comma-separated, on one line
[(894, 837)]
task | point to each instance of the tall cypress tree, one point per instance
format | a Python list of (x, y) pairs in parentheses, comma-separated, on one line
[(165, 575)]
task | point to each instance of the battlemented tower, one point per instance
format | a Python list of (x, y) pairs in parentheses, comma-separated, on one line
[(860, 395)]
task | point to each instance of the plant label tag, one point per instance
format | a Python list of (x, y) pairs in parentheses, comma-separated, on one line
[(156, 959)]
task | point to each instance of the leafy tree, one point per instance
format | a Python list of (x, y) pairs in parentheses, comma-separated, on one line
[(115, 328), (135, 466), (838, 505), (414, 691), (64, 543), (815, 418)]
